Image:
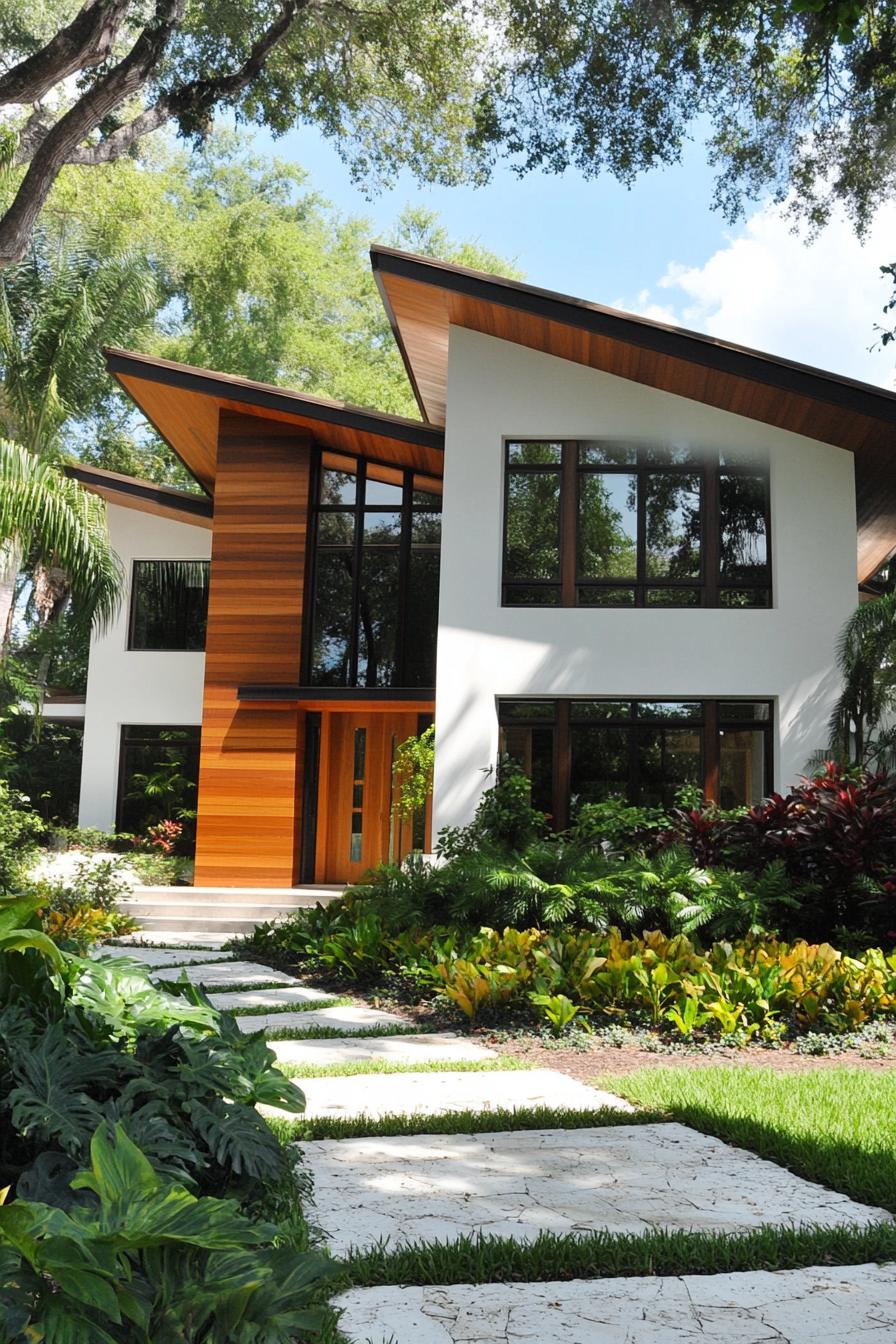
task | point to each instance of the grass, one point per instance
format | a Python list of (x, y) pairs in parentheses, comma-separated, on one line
[(304, 1006), (241, 986), (452, 1122), (834, 1126), (604, 1255), (354, 1067), (318, 1033)]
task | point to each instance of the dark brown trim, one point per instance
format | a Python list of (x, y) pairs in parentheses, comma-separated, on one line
[(677, 342), (164, 496), (335, 693), (205, 382)]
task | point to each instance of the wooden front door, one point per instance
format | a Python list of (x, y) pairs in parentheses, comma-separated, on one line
[(354, 807)]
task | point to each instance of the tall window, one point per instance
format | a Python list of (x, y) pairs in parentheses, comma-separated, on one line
[(169, 605), (585, 751), (376, 579), (595, 524), (158, 777)]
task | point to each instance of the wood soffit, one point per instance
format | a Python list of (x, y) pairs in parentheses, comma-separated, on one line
[(184, 405), (423, 298), (146, 497)]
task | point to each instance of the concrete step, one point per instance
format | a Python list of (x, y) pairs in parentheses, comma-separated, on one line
[(166, 907), (293, 897), (171, 928), (187, 911)]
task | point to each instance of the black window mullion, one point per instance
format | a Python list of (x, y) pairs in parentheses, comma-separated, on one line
[(404, 577), (641, 548), (360, 495)]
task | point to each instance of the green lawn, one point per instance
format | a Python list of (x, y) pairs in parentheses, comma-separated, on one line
[(835, 1126)]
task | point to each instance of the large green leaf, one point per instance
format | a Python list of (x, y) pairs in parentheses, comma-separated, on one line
[(239, 1139), (50, 1100)]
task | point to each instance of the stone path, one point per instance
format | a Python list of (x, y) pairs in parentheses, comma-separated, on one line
[(623, 1177)]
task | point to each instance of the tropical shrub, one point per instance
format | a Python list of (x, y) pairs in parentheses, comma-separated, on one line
[(82, 909), (19, 829), (137, 1258)]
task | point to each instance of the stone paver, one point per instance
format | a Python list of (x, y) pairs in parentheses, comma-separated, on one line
[(213, 941), (266, 998), (797, 1306), (412, 1190), (441, 1047), (437, 1093), (348, 1018), (226, 973), (158, 956)]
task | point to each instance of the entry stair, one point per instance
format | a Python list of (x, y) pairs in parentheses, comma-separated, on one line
[(182, 912)]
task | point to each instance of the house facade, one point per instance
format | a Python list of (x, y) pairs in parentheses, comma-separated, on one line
[(619, 552)]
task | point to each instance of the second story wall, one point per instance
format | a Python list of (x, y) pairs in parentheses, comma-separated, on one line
[(496, 391), (129, 686)]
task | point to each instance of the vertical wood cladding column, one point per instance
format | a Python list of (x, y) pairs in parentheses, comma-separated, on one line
[(250, 772)]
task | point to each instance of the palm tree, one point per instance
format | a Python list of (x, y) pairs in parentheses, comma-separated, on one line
[(46, 514), (861, 731), (57, 310)]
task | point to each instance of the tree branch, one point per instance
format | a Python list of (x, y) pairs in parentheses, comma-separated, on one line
[(123, 81), (85, 42), (194, 99)]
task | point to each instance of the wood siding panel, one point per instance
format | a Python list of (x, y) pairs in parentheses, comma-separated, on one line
[(250, 771)]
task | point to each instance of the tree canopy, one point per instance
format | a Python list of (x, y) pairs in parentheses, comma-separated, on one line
[(796, 97)]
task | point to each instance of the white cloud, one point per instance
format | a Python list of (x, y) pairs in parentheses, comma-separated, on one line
[(816, 303)]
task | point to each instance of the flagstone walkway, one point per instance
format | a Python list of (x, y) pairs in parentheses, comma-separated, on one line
[(626, 1178)]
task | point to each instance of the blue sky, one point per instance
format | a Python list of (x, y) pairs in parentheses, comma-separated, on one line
[(659, 249)]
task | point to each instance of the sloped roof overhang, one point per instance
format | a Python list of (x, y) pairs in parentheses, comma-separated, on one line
[(165, 501), (184, 405), (424, 298)]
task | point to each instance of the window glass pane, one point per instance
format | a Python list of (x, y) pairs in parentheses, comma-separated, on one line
[(159, 774), (744, 597), (667, 759), (606, 597), (607, 525), (335, 529), (383, 492), (669, 709), (744, 544), (426, 527), (599, 764), (382, 527), (593, 453), (532, 597), (378, 617), (169, 605), (422, 618), (742, 767), (673, 525), (332, 618), (673, 597), (533, 453), (532, 543), (337, 487), (533, 751), (514, 711), (745, 711), (581, 710), (426, 499), (670, 454)]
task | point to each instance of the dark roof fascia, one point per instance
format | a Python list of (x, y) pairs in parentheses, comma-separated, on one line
[(208, 383), (819, 384), (258, 691), (398, 338), (165, 496)]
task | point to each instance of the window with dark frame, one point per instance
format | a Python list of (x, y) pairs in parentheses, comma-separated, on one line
[(158, 775), (375, 579), (601, 524), (169, 606), (589, 750)]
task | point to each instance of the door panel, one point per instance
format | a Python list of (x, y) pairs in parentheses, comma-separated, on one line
[(355, 830)]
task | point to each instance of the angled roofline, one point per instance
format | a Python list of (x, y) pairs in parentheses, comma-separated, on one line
[(266, 395), (140, 491), (662, 338)]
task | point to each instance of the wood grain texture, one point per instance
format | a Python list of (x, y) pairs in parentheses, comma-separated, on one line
[(249, 809), (423, 312)]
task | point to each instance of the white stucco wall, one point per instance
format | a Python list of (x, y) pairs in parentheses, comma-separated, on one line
[(498, 390), (135, 687)]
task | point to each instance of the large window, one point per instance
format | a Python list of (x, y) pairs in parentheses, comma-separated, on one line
[(169, 605), (158, 777), (594, 524), (375, 579), (585, 751)]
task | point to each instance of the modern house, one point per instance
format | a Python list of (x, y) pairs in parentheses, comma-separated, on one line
[(619, 551)]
